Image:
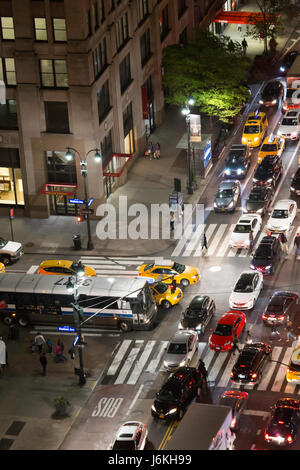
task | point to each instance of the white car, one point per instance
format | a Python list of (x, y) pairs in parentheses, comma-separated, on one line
[(246, 290), (282, 216), (289, 127), (240, 237), (132, 435), (10, 251)]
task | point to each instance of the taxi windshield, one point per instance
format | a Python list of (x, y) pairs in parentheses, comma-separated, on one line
[(251, 130), (161, 287), (269, 148), (179, 268), (280, 214)]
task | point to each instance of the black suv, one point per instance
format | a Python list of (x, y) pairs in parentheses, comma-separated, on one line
[(268, 171), (174, 396), (250, 364), (198, 314), (259, 200), (281, 307), (272, 94), (238, 162), (284, 421), (295, 184), (267, 255)]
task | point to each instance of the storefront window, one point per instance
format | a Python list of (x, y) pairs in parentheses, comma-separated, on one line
[(11, 184)]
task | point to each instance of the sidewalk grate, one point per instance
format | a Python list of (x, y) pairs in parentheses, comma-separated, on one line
[(5, 444), (15, 428)]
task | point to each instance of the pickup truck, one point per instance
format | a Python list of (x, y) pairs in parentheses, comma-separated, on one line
[(10, 251)]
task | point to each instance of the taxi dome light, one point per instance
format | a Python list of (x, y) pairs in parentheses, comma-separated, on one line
[(256, 113), (271, 138)]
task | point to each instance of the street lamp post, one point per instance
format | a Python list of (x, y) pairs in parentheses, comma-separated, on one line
[(83, 168), (187, 113)]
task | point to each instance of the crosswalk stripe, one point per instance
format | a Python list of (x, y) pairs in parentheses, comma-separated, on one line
[(208, 233), (155, 362), (225, 378), (269, 372), (118, 357), (280, 376), (127, 365), (216, 241), (224, 246), (141, 363), (32, 269), (195, 239), (186, 237)]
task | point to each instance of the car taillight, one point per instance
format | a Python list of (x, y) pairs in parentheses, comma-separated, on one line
[(233, 422), (281, 317), (254, 376), (267, 437), (289, 439), (231, 374), (264, 316)]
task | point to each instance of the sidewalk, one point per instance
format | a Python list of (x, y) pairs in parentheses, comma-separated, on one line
[(148, 182)]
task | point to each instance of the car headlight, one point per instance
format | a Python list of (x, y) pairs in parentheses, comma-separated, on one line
[(294, 134), (279, 132), (274, 101), (240, 171), (268, 267), (173, 410), (261, 102), (199, 327), (228, 342), (292, 188), (252, 266), (244, 139), (255, 180), (270, 180), (282, 69), (230, 204), (183, 363), (256, 139), (227, 171), (215, 204), (153, 408), (165, 364), (260, 211)]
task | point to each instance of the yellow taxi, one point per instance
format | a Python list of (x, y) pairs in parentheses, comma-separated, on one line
[(293, 371), (254, 129), (181, 273), (64, 267), (272, 145), (2, 268), (165, 295)]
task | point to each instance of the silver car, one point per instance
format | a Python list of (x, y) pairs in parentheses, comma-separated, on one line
[(227, 196), (181, 349)]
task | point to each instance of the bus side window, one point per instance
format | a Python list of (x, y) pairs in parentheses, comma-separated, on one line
[(123, 305)]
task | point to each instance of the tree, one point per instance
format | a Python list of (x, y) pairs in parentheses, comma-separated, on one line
[(211, 71), (269, 26)]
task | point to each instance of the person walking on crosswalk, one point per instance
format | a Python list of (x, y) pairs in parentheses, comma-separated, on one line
[(204, 242), (289, 329), (283, 241), (297, 245)]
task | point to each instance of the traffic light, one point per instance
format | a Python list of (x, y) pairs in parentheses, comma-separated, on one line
[(79, 218)]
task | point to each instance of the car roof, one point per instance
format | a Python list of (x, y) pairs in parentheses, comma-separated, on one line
[(56, 263), (283, 204), (127, 431), (226, 184), (197, 301), (229, 317), (181, 336), (292, 113), (271, 139)]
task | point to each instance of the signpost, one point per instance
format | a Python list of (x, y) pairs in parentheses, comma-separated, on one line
[(11, 217)]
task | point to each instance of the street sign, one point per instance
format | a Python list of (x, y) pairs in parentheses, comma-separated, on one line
[(66, 328), (76, 201), (87, 211), (90, 201)]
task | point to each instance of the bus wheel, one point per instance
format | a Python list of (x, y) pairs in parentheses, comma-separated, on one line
[(23, 321), (7, 320), (124, 326)]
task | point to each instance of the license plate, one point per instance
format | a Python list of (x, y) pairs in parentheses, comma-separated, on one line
[(241, 376), (161, 416)]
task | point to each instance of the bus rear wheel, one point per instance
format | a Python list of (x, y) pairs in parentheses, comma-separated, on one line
[(7, 320), (124, 326), (23, 321)]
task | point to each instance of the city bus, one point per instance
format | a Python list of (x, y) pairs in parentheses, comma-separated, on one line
[(34, 299)]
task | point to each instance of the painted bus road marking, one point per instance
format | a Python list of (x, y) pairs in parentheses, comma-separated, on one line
[(107, 407)]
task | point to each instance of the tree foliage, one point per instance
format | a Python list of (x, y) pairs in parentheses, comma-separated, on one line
[(210, 69)]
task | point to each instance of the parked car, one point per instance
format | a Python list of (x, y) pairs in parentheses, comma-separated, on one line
[(237, 162), (181, 349), (283, 424), (176, 394), (237, 400), (229, 326), (132, 435), (227, 196), (295, 183), (259, 200), (289, 126), (246, 290), (240, 237), (288, 61), (267, 255), (268, 172), (272, 94), (282, 216), (198, 314), (251, 363), (10, 251), (280, 308)]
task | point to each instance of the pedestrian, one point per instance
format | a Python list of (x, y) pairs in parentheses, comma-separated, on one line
[(289, 334), (204, 242), (43, 361), (283, 241), (39, 341), (231, 46), (239, 28), (61, 344), (172, 221), (245, 45), (235, 346), (157, 150), (275, 335), (248, 337), (251, 240), (202, 368), (49, 346), (59, 353), (297, 245), (3, 355)]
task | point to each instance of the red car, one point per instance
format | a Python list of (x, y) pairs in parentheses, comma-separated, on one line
[(230, 325)]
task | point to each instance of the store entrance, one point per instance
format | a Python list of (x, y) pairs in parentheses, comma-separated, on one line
[(59, 205)]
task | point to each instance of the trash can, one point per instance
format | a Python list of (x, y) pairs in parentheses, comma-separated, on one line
[(77, 242)]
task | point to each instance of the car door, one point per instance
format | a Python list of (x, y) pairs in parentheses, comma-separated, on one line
[(192, 345), (292, 211)]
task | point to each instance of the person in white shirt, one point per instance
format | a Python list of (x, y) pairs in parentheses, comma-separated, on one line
[(39, 341)]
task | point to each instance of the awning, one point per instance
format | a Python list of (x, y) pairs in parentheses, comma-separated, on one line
[(244, 17), (59, 189), (116, 164)]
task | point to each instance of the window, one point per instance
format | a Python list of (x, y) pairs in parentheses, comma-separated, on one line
[(11, 184), (164, 23), (128, 130), (125, 73), (145, 47), (103, 101), (142, 10), (40, 29), (59, 169), (96, 16), (181, 7), (112, 5), (183, 37), (54, 73), (57, 117), (101, 10), (59, 29), (7, 28), (100, 58), (8, 71), (106, 147), (122, 32), (8, 115)]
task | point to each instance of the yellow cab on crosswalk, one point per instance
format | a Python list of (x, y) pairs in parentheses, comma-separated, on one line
[(293, 371), (254, 129), (272, 145)]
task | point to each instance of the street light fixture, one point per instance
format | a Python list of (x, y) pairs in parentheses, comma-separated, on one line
[(69, 155), (186, 112)]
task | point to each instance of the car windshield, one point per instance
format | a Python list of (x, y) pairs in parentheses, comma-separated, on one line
[(269, 148), (224, 193), (280, 214), (223, 330), (177, 348), (263, 252), (275, 305), (179, 268), (235, 162), (256, 197), (161, 287), (242, 228), (190, 313), (289, 122), (295, 367), (263, 171), (282, 416), (3, 242), (124, 445), (244, 284), (166, 394), (251, 130)]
